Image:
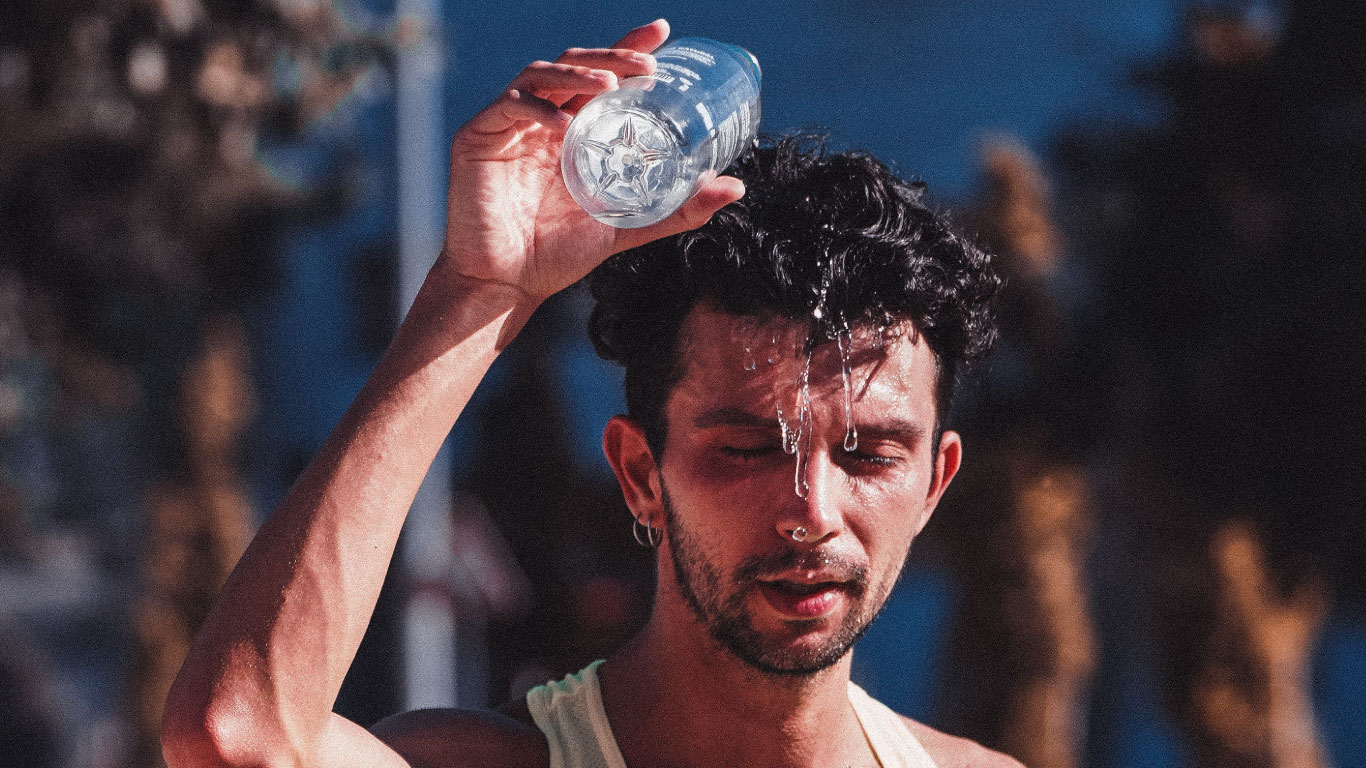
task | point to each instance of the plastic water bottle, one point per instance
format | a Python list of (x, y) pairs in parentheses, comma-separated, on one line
[(634, 155)]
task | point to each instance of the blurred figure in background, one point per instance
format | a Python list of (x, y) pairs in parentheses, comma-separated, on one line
[(1245, 699), (137, 223), (1228, 240), (196, 528), (1023, 647)]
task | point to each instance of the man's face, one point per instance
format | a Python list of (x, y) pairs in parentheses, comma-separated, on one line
[(730, 495)]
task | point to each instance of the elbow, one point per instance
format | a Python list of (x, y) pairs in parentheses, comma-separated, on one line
[(187, 740), (192, 742), (185, 746), (200, 742), (209, 737)]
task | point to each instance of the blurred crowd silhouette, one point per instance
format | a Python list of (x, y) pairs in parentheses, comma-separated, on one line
[(137, 229), (1165, 448)]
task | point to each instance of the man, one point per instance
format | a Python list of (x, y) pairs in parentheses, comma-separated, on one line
[(783, 495)]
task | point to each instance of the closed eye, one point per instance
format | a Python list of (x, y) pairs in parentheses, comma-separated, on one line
[(873, 458), (763, 451)]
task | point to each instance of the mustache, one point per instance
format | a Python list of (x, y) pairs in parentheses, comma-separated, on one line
[(848, 570)]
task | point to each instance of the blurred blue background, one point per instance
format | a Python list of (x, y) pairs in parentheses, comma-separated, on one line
[(925, 86)]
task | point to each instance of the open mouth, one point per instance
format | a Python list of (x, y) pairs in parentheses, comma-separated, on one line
[(802, 599), (802, 587)]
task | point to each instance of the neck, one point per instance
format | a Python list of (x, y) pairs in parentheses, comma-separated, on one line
[(677, 699)]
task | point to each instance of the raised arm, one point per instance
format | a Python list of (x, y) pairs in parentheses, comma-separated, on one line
[(260, 681)]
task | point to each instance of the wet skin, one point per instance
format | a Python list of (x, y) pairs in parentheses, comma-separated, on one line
[(732, 505), (728, 492)]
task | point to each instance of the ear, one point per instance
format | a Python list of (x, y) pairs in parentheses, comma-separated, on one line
[(946, 463), (623, 442)]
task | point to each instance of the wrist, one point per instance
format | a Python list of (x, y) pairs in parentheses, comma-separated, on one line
[(448, 294), (452, 310), (447, 282)]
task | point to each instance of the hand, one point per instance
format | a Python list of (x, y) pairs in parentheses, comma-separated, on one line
[(510, 219), (1280, 632)]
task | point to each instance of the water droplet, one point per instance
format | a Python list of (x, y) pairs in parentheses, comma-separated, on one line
[(802, 442), (745, 332), (789, 433), (844, 339)]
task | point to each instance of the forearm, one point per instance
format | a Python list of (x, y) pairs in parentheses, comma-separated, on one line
[(263, 674), (266, 668), (1290, 727)]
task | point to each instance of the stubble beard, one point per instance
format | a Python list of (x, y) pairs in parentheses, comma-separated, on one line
[(726, 616)]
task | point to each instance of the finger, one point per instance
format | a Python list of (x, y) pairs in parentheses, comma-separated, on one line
[(623, 61), (542, 78), (572, 105), (627, 57), (1242, 569), (698, 210), (516, 106), (646, 37)]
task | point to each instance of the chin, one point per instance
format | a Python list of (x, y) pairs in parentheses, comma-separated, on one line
[(797, 648), (797, 661)]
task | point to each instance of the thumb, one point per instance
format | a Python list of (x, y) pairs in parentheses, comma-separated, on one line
[(698, 210)]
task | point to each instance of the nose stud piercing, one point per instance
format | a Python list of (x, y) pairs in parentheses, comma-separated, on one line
[(799, 534)]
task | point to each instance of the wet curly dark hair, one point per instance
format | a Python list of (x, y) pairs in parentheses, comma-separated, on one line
[(815, 226)]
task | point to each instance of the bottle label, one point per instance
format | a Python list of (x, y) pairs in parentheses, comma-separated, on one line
[(688, 68), (729, 136)]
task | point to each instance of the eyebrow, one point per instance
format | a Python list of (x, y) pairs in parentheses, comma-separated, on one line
[(905, 430), (730, 416)]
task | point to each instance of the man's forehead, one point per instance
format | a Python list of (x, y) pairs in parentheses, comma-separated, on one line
[(721, 350)]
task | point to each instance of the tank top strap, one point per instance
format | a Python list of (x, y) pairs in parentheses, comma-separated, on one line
[(570, 714), (893, 743)]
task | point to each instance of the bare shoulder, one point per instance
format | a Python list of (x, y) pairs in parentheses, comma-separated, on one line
[(464, 738), (957, 752)]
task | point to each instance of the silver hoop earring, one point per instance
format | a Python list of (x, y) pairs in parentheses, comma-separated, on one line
[(651, 537)]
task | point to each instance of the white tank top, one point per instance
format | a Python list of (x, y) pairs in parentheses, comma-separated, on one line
[(570, 714)]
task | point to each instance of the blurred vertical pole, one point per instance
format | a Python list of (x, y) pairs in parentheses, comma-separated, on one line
[(429, 621)]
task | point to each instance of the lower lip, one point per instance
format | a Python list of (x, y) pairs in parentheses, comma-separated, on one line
[(808, 606)]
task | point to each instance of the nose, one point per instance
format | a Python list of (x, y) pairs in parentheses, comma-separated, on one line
[(813, 513)]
